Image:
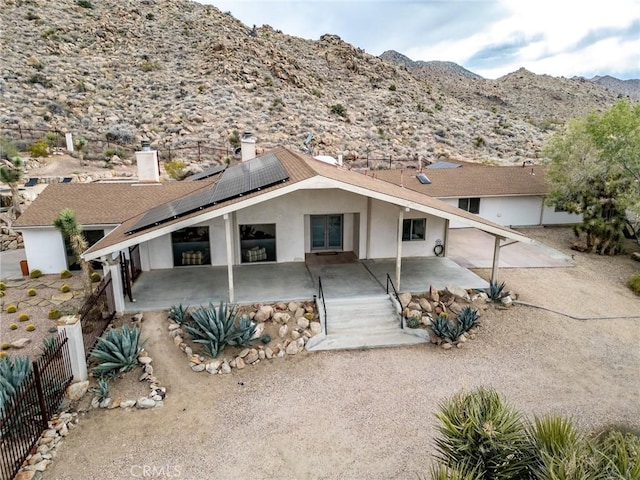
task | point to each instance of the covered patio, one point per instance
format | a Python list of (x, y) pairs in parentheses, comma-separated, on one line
[(283, 282)]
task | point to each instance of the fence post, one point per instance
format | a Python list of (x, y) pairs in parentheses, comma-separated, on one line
[(43, 406), (198, 152), (72, 328)]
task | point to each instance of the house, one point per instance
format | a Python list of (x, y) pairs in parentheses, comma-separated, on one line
[(512, 196), (277, 208)]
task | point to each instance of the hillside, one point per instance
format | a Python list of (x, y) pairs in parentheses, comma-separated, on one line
[(177, 72)]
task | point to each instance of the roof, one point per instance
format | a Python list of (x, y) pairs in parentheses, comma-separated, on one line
[(101, 203), (473, 180), (125, 204)]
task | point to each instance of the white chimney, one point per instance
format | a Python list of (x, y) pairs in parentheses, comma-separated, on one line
[(147, 162), (248, 146), (340, 160)]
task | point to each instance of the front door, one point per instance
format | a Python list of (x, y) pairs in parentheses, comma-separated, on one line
[(326, 232)]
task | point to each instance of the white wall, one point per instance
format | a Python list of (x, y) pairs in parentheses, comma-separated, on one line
[(44, 248), (384, 232), (551, 217), (507, 211)]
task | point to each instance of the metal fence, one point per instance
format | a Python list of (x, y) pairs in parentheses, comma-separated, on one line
[(26, 414), (96, 313)]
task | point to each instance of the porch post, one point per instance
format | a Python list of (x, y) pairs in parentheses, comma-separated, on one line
[(112, 265), (228, 236), (399, 249), (446, 238), (368, 255), (496, 259)]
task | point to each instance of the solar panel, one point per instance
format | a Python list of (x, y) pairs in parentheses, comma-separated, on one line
[(423, 179), (209, 172), (236, 181), (442, 164)]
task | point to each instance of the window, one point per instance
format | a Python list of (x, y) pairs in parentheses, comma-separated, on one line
[(258, 242), (414, 229), (191, 246), (471, 205)]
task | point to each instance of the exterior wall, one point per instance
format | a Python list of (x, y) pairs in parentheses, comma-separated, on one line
[(384, 232), (551, 217), (44, 248)]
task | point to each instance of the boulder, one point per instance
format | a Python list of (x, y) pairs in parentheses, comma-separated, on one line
[(414, 314), (268, 353), (292, 348), (143, 403), (425, 305), (252, 356), (281, 317), (20, 343), (264, 313), (75, 391), (405, 299), (316, 328), (434, 296), (295, 334), (240, 364), (459, 293), (293, 306), (303, 322), (282, 332)]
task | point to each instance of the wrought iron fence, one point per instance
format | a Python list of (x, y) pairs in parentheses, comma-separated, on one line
[(96, 313), (25, 415)]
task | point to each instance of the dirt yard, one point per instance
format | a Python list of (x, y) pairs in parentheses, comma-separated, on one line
[(369, 414)]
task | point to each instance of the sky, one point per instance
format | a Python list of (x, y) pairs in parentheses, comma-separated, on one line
[(489, 37)]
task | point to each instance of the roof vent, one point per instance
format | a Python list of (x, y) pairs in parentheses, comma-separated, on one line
[(423, 179)]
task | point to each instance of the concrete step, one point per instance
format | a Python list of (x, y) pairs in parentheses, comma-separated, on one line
[(366, 340)]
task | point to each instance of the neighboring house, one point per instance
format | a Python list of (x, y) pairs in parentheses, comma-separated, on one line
[(278, 207), (512, 196)]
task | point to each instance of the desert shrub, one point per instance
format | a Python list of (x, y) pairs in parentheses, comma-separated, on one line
[(5, 346), (11, 308), (30, 328), (13, 326), (39, 149), (102, 390), (117, 351), (65, 274), (84, 4), (121, 133), (179, 314), (479, 142), (338, 109), (95, 277), (3, 286), (393, 87), (23, 317), (110, 152), (215, 328), (64, 288), (148, 66), (634, 283), (478, 431), (32, 292), (54, 314), (42, 79), (35, 273), (175, 169)]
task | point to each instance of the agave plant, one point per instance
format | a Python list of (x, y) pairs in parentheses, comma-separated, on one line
[(117, 352), (102, 390), (13, 372), (467, 318), (443, 328), (178, 314), (495, 291), (215, 328), (49, 345), (480, 433)]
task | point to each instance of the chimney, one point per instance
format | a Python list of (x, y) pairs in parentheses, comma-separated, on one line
[(340, 160), (248, 146), (147, 162)]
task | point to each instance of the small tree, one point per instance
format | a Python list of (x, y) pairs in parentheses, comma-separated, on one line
[(67, 224), (79, 145), (11, 172)]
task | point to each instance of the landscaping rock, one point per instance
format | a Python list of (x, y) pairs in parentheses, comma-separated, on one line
[(261, 354), (144, 403), (225, 367), (268, 353), (213, 367), (405, 299), (264, 313), (506, 300), (177, 340), (455, 308), (295, 334), (259, 331), (240, 364), (299, 313), (414, 315), (20, 343), (293, 306), (292, 348), (128, 404), (188, 351), (138, 317), (173, 326), (105, 403), (446, 346), (252, 356), (243, 353), (303, 322), (75, 391), (458, 292), (145, 360), (281, 317), (316, 327), (198, 367), (434, 296), (282, 332), (425, 305)]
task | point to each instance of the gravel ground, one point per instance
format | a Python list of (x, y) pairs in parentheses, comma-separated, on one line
[(369, 414)]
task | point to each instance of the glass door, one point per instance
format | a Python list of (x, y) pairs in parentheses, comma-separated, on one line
[(326, 232)]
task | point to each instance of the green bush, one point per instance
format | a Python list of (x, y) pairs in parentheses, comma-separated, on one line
[(634, 283), (338, 109), (35, 273), (11, 308), (117, 351), (84, 4), (215, 328), (413, 322), (65, 274), (175, 169), (39, 148)]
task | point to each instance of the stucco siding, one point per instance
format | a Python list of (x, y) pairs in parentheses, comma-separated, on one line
[(551, 217), (44, 249)]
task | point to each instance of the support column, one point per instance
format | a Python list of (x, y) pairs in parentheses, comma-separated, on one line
[(229, 237), (446, 238), (113, 267), (496, 259), (70, 325), (368, 253), (399, 249)]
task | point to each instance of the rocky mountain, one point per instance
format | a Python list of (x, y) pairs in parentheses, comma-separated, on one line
[(627, 88), (177, 72)]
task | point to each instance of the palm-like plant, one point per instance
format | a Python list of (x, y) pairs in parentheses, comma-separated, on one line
[(495, 291), (619, 455), (67, 224), (481, 433), (117, 351), (79, 145), (215, 328), (11, 172)]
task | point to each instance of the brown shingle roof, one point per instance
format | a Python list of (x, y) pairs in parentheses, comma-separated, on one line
[(473, 181)]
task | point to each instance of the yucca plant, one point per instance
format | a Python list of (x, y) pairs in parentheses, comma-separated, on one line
[(215, 328), (467, 318), (102, 390), (117, 352), (441, 472), (495, 291), (479, 432), (178, 314), (618, 455)]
